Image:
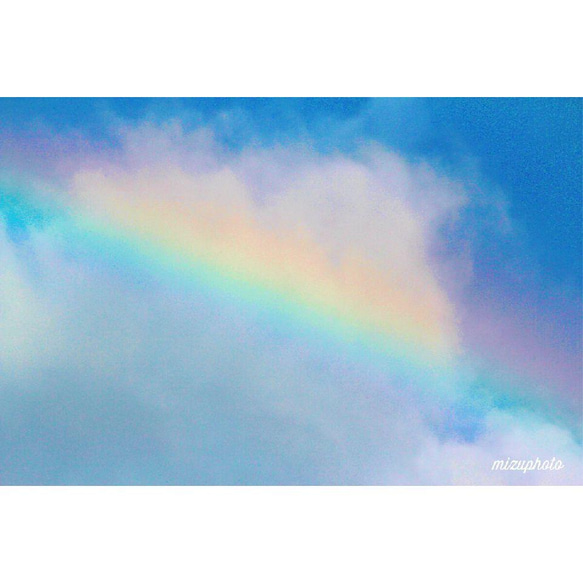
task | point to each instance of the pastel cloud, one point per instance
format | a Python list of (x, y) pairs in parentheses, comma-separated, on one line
[(195, 389), (517, 436)]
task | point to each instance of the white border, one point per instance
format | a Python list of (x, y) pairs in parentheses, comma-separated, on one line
[(290, 534), (315, 47)]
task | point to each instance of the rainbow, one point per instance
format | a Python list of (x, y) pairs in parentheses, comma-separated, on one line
[(351, 309)]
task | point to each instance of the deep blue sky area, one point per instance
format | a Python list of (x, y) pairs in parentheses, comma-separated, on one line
[(530, 148)]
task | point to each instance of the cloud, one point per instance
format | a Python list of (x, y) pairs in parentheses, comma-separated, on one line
[(24, 318), (518, 435), (116, 373)]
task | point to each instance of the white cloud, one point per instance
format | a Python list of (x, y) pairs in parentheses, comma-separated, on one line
[(148, 382), (518, 435)]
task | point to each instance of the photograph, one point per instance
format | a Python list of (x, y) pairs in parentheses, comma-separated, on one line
[(290, 292)]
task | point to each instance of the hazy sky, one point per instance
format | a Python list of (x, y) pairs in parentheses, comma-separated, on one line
[(289, 291)]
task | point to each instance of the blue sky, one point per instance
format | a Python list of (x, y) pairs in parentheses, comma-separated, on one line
[(531, 148)]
